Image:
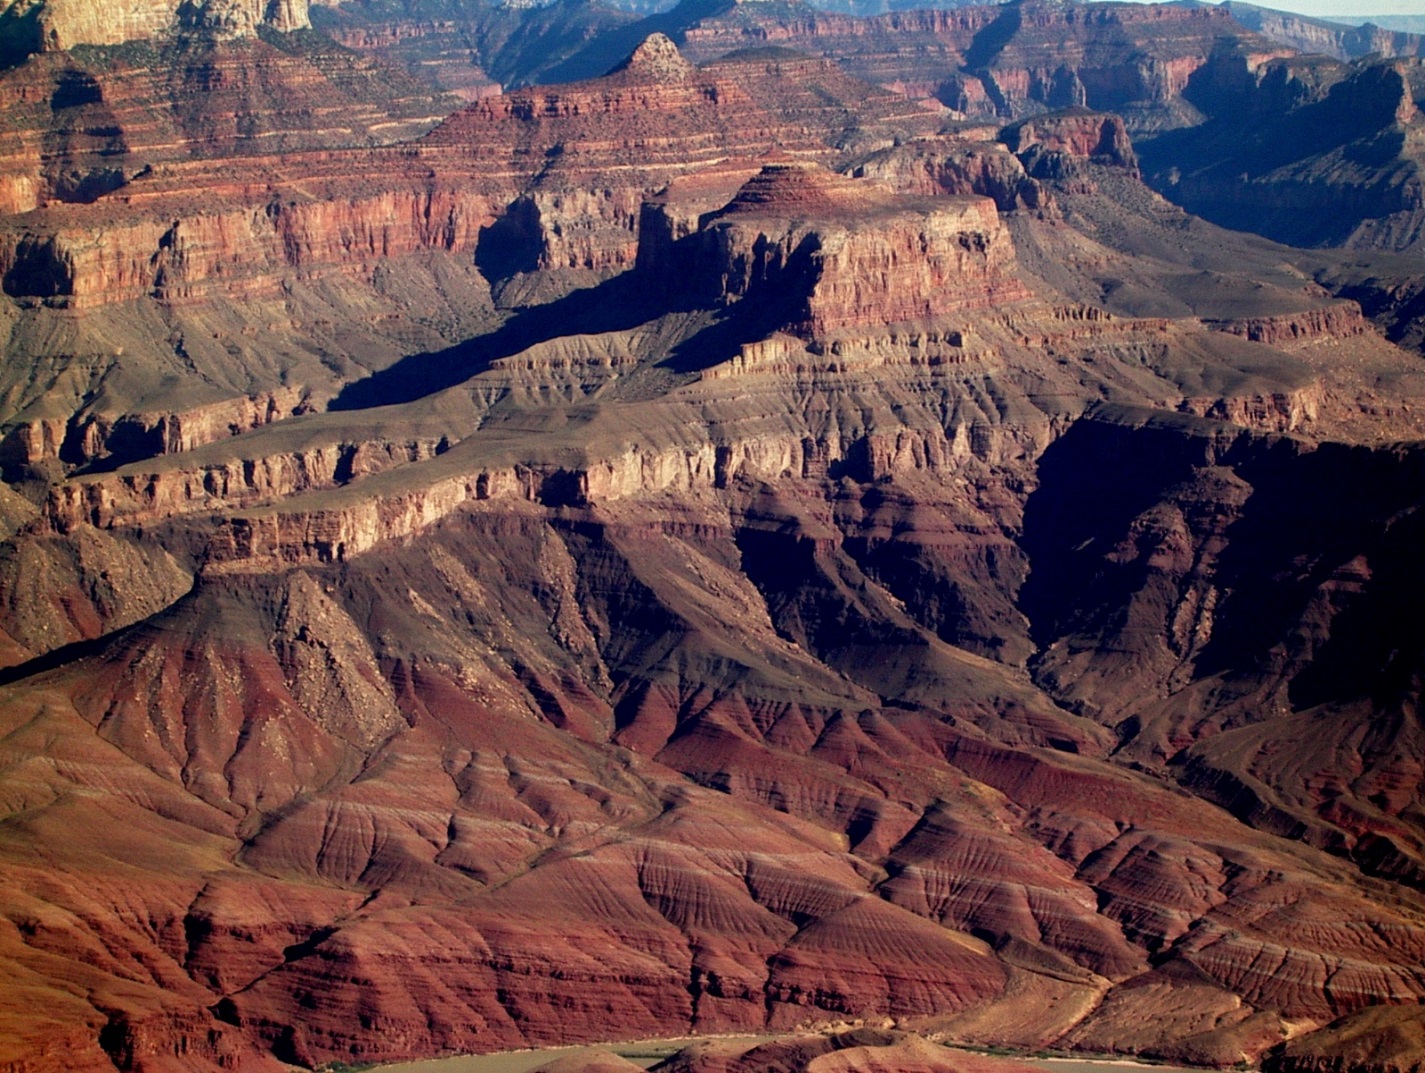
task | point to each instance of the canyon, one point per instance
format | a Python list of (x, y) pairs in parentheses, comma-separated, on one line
[(786, 532)]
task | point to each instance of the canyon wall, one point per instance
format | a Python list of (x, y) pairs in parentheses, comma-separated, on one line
[(59, 25), (705, 550)]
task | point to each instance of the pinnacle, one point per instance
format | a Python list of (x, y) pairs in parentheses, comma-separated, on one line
[(785, 186), (658, 57)]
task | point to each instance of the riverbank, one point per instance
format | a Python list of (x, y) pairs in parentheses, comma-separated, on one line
[(648, 1053)]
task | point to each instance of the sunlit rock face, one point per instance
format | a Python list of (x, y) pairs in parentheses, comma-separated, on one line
[(59, 25)]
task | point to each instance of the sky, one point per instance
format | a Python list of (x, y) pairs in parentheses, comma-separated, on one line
[(1346, 7)]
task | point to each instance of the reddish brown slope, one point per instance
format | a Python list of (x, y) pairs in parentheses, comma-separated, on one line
[(705, 743), (666, 659), (536, 857)]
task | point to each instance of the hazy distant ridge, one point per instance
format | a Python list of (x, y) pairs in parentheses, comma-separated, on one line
[(1411, 24)]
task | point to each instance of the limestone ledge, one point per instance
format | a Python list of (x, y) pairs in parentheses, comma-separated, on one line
[(138, 498), (1276, 411), (1076, 323), (30, 442), (190, 254), (908, 346), (292, 533), (1338, 321)]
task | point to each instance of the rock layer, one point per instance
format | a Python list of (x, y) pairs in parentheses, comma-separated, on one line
[(1304, 151), (59, 25), (842, 255)]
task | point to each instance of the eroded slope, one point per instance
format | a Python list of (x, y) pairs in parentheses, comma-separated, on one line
[(920, 593)]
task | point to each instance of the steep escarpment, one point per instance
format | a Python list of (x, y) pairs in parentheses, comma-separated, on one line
[(473, 50), (1182, 615), (840, 254), (1072, 134), (144, 378), (582, 210), (801, 272), (1310, 152), (1325, 37), (83, 125), (972, 161), (305, 237), (669, 717), (177, 249), (1007, 62), (60, 25)]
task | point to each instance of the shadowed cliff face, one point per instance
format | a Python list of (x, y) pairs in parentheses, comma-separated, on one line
[(567, 579), (1303, 150)]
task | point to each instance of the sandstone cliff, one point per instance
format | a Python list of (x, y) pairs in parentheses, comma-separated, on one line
[(968, 162), (840, 254), (83, 125), (538, 180), (1006, 62), (59, 25), (1075, 134)]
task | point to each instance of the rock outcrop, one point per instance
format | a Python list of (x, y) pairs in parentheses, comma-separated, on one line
[(1076, 134), (83, 125), (1333, 322), (1326, 37), (60, 25), (971, 162), (544, 179), (1010, 61), (1313, 153), (822, 855), (841, 254), (1377, 1040), (473, 50)]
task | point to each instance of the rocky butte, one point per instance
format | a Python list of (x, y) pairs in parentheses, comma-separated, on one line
[(740, 543)]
